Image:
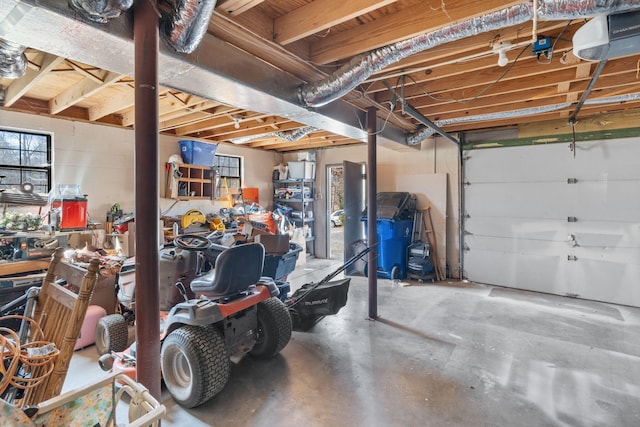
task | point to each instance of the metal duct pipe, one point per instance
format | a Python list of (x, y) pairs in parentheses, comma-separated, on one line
[(184, 27), (182, 24), (287, 136), (617, 98), (356, 71), (13, 61), (100, 10), (424, 132)]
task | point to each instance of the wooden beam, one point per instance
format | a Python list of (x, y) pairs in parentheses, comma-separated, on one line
[(237, 7), (191, 115), (228, 123), (82, 90), (164, 102), (320, 15), (231, 133), (405, 24), (112, 105), (89, 73), (524, 75), (22, 85)]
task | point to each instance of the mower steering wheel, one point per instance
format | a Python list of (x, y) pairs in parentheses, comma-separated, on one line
[(191, 242)]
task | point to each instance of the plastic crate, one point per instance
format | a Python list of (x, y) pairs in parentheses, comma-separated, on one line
[(279, 266), (197, 153)]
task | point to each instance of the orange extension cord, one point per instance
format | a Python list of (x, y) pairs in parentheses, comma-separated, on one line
[(35, 359)]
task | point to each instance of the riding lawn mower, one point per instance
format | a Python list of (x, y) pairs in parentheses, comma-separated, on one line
[(236, 312)]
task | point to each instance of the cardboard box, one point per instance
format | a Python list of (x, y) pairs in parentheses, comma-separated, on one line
[(275, 244)]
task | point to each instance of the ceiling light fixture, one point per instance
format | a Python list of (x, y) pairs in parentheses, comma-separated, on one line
[(501, 49), (236, 121)]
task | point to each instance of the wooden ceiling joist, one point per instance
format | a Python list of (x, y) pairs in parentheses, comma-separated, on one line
[(21, 86)]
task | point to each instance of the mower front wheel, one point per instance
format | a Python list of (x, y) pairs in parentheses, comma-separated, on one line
[(112, 334), (274, 329), (195, 364)]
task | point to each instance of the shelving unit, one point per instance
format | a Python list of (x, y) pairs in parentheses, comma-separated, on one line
[(297, 194), (195, 182)]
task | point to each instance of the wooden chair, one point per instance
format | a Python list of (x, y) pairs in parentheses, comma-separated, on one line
[(60, 313)]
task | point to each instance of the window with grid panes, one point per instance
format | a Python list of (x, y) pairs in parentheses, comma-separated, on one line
[(228, 175), (25, 157)]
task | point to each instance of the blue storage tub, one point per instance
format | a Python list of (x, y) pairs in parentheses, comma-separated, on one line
[(197, 153), (279, 266)]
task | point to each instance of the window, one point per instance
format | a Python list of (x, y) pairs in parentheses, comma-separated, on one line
[(228, 175), (25, 158)]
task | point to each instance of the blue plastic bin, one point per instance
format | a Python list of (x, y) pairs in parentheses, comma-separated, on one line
[(278, 267), (394, 237), (197, 153)]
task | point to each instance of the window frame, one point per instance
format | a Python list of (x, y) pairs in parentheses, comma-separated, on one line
[(21, 168), (223, 171)]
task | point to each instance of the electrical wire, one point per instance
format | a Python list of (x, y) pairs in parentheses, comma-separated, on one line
[(482, 92)]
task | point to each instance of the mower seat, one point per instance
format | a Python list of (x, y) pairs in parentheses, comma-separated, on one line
[(236, 269)]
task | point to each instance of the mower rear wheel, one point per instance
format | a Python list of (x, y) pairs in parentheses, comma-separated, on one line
[(195, 364), (112, 334), (274, 328)]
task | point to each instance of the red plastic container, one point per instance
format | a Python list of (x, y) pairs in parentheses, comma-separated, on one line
[(73, 213)]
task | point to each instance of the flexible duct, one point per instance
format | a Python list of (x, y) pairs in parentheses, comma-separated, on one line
[(185, 26), (182, 25), (287, 136), (100, 10), (356, 71), (13, 61), (424, 132)]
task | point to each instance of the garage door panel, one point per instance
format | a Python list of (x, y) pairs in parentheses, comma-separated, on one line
[(542, 273), (517, 228), (516, 246), (520, 200), (594, 160), (605, 160), (518, 163), (607, 278), (606, 236), (605, 201), (603, 235), (530, 228)]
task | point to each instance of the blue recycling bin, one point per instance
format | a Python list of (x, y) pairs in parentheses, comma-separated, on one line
[(394, 237), (395, 212)]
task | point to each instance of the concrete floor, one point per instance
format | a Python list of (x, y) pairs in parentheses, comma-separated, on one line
[(446, 354)]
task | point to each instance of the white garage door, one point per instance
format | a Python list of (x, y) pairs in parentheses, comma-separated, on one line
[(541, 219)]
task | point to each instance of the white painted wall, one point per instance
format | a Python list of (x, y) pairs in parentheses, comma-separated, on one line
[(439, 156), (101, 159)]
